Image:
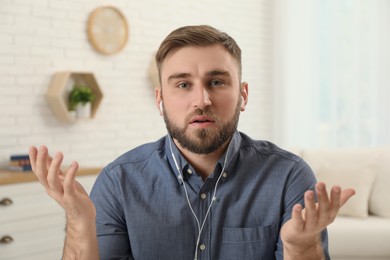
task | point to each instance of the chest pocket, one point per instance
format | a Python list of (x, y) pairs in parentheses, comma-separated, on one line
[(249, 243)]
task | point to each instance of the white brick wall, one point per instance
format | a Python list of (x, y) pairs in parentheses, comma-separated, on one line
[(41, 37)]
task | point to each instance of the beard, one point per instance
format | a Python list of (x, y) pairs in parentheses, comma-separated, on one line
[(204, 141)]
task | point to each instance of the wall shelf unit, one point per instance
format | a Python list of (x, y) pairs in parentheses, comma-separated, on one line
[(60, 87)]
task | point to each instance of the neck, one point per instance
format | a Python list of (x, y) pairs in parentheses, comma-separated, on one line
[(204, 164)]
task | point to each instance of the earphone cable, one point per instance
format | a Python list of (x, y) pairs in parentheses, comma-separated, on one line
[(180, 176)]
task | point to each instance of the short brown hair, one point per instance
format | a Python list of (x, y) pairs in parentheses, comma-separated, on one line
[(199, 35)]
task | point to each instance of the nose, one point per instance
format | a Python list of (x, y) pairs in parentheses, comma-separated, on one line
[(202, 97)]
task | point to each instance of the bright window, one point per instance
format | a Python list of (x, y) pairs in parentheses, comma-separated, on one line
[(332, 73)]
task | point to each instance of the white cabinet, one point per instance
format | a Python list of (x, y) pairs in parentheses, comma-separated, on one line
[(33, 221)]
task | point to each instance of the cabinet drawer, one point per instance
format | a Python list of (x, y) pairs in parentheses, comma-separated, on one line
[(31, 200), (33, 236), (43, 254), (27, 207), (34, 221)]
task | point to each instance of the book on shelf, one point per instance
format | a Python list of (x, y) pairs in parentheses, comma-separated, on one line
[(19, 157), (25, 168), (19, 162)]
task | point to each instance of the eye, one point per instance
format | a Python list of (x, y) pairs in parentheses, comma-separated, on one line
[(183, 85), (216, 83)]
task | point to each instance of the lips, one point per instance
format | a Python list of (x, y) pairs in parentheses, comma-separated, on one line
[(202, 122), (202, 119)]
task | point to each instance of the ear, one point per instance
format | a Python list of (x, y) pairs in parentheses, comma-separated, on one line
[(244, 95), (158, 99)]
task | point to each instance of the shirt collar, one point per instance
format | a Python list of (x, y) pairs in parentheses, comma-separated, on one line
[(178, 163)]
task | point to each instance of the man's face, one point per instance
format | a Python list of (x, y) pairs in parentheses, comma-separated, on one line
[(201, 96)]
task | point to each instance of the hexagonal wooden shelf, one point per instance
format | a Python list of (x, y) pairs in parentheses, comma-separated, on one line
[(60, 87)]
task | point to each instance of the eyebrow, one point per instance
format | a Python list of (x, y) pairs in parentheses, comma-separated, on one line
[(184, 75), (178, 76), (218, 73)]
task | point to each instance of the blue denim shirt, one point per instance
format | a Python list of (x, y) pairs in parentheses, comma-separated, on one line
[(142, 211)]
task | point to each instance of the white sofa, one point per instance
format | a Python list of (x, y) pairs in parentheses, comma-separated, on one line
[(362, 229)]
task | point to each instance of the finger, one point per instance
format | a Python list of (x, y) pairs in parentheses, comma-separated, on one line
[(311, 216), (53, 174), (40, 166), (334, 201), (32, 152), (297, 217), (48, 161), (324, 210), (70, 176), (346, 195)]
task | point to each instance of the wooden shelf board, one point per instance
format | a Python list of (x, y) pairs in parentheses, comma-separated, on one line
[(10, 177)]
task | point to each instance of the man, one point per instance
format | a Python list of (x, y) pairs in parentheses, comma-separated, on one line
[(204, 191)]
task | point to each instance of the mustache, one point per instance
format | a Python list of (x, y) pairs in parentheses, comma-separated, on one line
[(203, 112)]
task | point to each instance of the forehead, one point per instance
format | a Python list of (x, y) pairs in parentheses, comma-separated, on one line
[(198, 61)]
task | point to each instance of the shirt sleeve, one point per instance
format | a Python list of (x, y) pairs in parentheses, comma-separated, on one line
[(111, 226), (301, 179)]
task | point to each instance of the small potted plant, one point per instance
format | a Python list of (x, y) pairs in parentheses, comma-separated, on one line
[(80, 99)]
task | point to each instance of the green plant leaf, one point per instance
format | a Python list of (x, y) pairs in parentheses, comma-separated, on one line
[(80, 94)]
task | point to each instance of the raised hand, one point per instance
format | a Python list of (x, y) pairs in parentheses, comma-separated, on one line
[(302, 232), (81, 242), (62, 187)]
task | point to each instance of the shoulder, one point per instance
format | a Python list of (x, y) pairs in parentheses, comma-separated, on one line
[(130, 172), (266, 149), (279, 164), (139, 155), (274, 159)]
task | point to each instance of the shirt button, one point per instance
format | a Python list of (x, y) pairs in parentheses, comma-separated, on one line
[(203, 196), (224, 174), (202, 247), (189, 171)]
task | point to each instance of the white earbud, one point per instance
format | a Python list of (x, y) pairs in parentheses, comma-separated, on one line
[(161, 107)]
